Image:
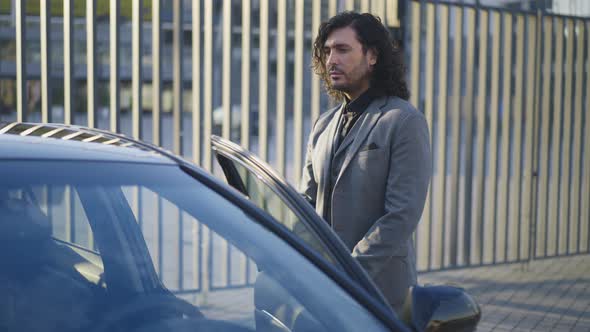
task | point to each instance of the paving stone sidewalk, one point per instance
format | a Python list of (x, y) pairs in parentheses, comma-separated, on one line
[(544, 295)]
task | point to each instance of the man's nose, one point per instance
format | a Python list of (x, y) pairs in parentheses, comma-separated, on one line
[(331, 59)]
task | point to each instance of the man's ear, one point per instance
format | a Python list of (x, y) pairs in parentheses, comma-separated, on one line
[(372, 56)]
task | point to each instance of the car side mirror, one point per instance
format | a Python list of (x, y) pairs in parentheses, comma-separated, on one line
[(440, 308)]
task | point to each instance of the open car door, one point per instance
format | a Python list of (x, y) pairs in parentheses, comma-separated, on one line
[(432, 308), (270, 192)]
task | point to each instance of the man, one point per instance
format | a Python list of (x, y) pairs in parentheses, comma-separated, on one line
[(368, 162)]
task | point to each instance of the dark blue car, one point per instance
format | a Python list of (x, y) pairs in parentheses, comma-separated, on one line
[(100, 232)]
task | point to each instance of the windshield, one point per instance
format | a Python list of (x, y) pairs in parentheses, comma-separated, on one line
[(103, 246)]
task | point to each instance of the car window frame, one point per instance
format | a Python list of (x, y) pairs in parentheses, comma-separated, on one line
[(99, 199), (302, 209)]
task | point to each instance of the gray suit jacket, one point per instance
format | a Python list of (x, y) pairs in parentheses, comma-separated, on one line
[(379, 194)]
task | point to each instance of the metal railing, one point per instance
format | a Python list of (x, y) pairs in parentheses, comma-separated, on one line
[(505, 95), (504, 92)]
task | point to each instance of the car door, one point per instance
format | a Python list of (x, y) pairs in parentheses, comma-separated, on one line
[(270, 192)]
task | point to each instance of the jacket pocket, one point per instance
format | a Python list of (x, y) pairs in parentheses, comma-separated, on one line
[(367, 153)]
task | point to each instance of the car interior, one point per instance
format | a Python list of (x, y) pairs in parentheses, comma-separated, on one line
[(40, 274), (62, 283)]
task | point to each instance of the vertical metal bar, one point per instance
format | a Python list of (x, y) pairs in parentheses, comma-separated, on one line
[(469, 110), (69, 207), (263, 82), (332, 11), (208, 257), (91, 62), (422, 249), (428, 112), (90, 235), (478, 230), (577, 145), (229, 263), (315, 80), (565, 185), (332, 7), (177, 77), (349, 5), (441, 172), (138, 194), (226, 81), (452, 239), (554, 222), (180, 249), (45, 35), (392, 13), (528, 227), (68, 60), (115, 95), (543, 204), (136, 73), (243, 267), (246, 49), (585, 195), (208, 86), (517, 106), (224, 275), (281, 82), (196, 124), (365, 6), (196, 81), (156, 72), (160, 236), (135, 203), (378, 8), (197, 238), (21, 69), (298, 89), (415, 60), (502, 221), (490, 224)]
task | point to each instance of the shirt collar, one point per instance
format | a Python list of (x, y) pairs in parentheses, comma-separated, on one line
[(360, 103)]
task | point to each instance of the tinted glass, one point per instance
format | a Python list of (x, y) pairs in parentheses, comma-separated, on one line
[(265, 196), (122, 246)]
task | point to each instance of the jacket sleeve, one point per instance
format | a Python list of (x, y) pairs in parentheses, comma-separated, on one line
[(410, 168), (308, 187)]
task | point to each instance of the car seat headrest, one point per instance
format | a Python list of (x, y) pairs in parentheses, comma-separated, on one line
[(24, 231)]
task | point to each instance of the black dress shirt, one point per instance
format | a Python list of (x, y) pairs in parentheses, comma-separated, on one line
[(351, 113)]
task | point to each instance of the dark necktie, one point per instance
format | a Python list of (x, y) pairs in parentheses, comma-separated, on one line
[(347, 123)]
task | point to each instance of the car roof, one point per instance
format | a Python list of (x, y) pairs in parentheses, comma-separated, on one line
[(36, 141)]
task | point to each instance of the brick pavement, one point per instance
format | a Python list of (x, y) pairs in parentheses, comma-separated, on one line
[(544, 295)]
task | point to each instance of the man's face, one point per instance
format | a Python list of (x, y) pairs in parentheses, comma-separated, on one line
[(348, 66)]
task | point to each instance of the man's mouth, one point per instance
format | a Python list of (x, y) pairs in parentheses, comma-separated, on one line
[(334, 74)]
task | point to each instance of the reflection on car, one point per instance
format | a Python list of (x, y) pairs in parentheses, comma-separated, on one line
[(99, 232)]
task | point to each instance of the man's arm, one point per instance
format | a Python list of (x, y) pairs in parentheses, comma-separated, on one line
[(410, 168)]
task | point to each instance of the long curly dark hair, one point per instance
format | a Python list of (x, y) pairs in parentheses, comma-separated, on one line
[(388, 76)]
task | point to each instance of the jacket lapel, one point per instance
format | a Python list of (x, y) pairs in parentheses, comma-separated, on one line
[(370, 118), (326, 149)]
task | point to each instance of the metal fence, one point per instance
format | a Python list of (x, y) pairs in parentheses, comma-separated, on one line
[(505, 95)]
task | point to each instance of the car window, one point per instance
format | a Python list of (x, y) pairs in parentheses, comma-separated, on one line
[(266, 197), (51, 270), (173, 253), (58, 209), (69, 222)]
